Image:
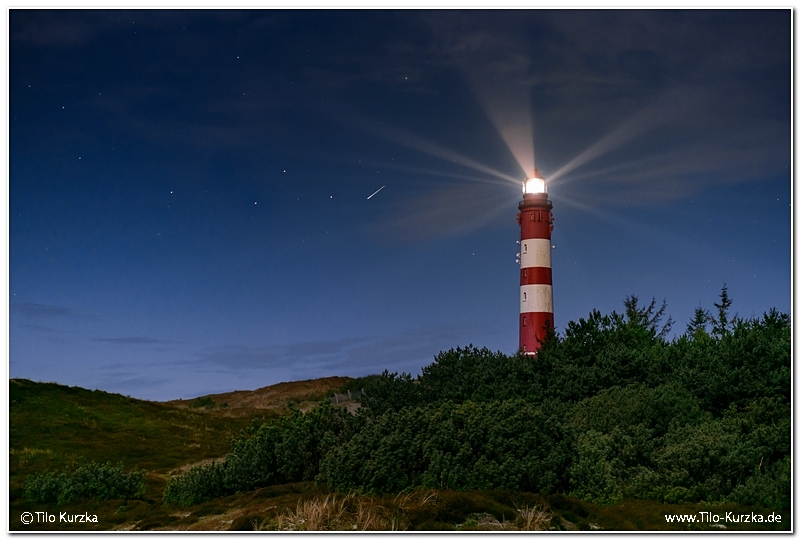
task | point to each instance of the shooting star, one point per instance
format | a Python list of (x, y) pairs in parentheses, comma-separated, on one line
[(368, 198)]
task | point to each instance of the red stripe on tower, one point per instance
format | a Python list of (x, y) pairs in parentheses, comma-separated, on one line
[(535, 275)]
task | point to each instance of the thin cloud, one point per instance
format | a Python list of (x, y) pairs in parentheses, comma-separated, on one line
[(131, 340), (50, 28), (497, 67), (640, 66), (27, 309), (67, 28), (681, 171), (409, 350)]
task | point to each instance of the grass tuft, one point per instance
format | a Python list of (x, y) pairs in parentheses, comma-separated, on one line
[(533, 519), (335, 513)]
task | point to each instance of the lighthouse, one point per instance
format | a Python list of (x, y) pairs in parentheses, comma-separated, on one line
[(535, 273)]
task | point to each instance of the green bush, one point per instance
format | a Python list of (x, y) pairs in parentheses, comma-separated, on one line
[(608, 466), (289, 450), (90, 480), (770, 487), (654, 408), (750, 360), (508, 444), (390, 392), (717, 458), (199, 484), (739, 457), (203, 402)]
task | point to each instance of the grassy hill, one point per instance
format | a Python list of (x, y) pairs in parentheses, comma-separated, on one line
[(52, 425), (276, 398)]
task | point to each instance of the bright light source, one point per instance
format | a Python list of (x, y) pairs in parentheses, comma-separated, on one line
[(534, 185)]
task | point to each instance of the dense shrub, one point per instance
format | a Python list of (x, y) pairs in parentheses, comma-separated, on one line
[(604, 351), (91, 480), (508, 444), (712, 459), (390, 392), (752, 359), (654, 408), (616, 433), (622, 449), (769, 486), (289, 450), (479, 375)]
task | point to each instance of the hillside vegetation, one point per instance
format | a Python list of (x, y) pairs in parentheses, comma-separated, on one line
[(57, 430), (611, 426), (276, 398), (610, 411)]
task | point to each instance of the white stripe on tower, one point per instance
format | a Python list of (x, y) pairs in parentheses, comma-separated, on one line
[(536, 298), (535, 252)]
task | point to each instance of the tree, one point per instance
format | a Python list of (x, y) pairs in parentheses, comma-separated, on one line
[(648, 317), (697, 326), (721, 323)]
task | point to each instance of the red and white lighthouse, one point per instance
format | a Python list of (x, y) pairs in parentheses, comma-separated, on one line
[(535, 274)]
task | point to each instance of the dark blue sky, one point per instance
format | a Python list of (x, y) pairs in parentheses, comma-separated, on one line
[(188, 193)]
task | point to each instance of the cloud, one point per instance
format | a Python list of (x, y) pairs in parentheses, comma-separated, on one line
[(131, 340), (67, 28), (497, 67), (163, 112), (26, 309), (675, 147), (144, 387), (242, 115), (671, 98), (347, 356), (50, 28), (50, 322), (670, 108)]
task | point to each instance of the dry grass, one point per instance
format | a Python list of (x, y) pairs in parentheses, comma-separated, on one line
[(275, 397), (351, 512), (26, 454), (333, 513), (486, 522), (184, 468), (533, 519), (414, 499), (527, 519), (336, 512)]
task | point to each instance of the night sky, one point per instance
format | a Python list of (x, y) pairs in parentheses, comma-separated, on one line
[(192, 203)]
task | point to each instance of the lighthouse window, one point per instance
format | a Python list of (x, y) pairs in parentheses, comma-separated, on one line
[(524, 297), (525, 273), (524, 248), (524, 321)]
